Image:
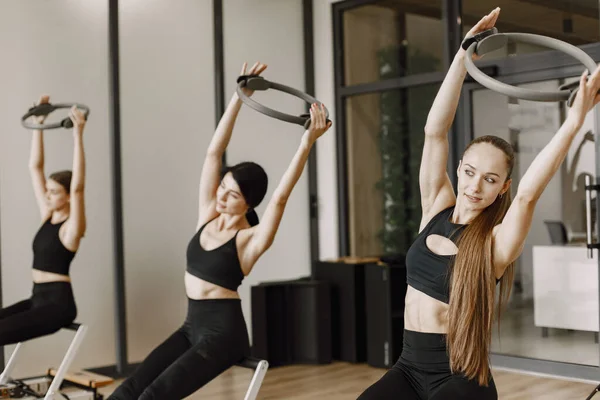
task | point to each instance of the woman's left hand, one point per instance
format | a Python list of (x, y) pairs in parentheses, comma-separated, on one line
[(256, 69), (485, 23), (44, 99), (78, 119)]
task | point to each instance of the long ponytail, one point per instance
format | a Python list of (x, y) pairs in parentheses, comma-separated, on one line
[(473, 285)]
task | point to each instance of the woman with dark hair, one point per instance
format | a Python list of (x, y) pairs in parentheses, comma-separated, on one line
[(467, 243), (61, 203), (228, 242)]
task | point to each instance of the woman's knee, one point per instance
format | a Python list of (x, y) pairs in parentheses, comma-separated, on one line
[(128, 390)]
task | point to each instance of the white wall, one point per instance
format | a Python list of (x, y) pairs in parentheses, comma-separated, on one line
[(59, 48), (167, 98), (167, 102), (270, 31)]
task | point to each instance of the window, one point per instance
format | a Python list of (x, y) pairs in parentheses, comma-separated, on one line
[(384, 136), (572, 21), (392, 38)]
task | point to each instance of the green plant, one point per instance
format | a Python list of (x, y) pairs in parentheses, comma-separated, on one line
[(403, 116)]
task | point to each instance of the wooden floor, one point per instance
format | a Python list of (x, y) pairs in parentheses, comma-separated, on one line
[(339, 381)]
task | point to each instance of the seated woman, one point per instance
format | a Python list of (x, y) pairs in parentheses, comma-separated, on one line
[(228, 242), (61, 203)]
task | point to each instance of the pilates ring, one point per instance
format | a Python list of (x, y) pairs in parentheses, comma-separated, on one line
[(490, 40), (258, 83), (46, 109)]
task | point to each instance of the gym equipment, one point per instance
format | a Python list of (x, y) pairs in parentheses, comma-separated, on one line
[(385, 291), (258, 83), (490, 40), (291, 322), (53, 386), (346, 277), (596, 390), (48, 108), (260, 368)]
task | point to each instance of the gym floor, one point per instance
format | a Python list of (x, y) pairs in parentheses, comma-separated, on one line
[(343, 381)]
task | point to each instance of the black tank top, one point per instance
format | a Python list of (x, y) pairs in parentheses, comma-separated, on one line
[(220, 266), (429, 272), (49, 254)]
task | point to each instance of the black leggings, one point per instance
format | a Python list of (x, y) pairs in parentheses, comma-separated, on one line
[(423, 373), (50, 308), (212, 339)]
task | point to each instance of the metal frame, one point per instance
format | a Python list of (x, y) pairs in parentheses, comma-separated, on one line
[(340, 127), (451, 13), (10, 365), (219, 65), (309, 88), (80, 331), (57, 380), (518, 69), (260, 368), (115, 137)]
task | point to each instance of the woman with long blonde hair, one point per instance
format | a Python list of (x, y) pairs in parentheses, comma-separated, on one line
[(467, 244)]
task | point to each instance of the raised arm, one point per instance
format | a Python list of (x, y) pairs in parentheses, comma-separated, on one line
[(436, 188), (263, 234), (509, 236), (36, 164), (76, 224), (211, 170)]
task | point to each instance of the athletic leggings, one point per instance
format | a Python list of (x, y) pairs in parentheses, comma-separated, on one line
[(423, 373), (212, 339), (50, 308)]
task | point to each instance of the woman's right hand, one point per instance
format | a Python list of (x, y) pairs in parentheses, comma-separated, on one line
[(587, 96), (318, 122), (485, 23), (256, 69), (44, 99)]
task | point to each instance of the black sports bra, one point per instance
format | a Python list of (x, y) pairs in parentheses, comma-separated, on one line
[(220, 266), (49, 254), (429, 272)]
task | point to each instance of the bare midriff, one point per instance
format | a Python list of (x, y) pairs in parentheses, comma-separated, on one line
[(423, 313), (46, 277), (199, 289)]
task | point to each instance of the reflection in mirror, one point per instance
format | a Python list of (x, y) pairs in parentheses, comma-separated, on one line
[(55, 193)]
